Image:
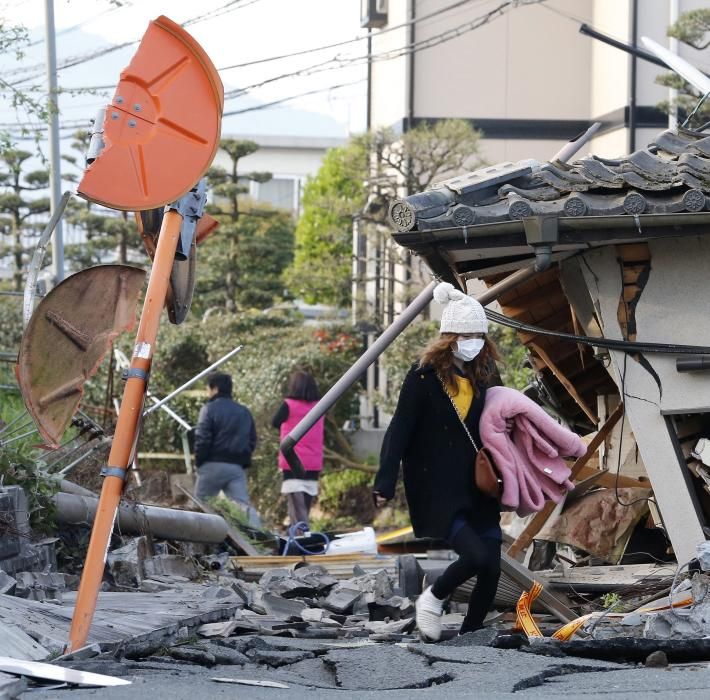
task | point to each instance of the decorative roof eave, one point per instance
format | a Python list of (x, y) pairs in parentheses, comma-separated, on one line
[(480, 249)]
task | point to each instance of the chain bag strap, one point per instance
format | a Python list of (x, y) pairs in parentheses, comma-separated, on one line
[(458, 413), (485, 474)]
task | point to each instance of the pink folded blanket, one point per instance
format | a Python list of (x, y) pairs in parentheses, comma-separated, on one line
[(530, 458)]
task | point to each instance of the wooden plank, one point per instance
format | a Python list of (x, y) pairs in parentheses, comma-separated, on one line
[(233, 535), (608, 478), (539, 519), (562, 379)]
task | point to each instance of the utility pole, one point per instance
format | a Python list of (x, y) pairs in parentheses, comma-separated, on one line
[(55, 175)]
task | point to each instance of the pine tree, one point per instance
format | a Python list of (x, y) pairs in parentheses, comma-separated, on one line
[(19, 209)]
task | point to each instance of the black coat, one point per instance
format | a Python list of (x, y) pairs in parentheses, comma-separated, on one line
[(437, 458), (225, 432)]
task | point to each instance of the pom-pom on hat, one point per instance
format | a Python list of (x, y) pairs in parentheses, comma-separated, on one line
[(462, 313)]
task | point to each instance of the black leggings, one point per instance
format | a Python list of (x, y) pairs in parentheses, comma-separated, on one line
[(478, 557)]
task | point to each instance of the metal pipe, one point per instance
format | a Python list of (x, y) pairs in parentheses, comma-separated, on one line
[(38, 257), (55, 175), (5, 443), (633, 81), (645, 55), (136, 519), (190, 382), (701, 363), (169, 411), (574, 145), (673, 46), (421, 301)]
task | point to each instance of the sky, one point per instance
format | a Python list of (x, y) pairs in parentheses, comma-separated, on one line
[(231, 32)]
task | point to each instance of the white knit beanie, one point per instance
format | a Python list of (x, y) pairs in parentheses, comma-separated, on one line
[(462, 313)]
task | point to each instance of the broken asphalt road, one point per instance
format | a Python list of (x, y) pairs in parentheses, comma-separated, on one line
[(433, 672)]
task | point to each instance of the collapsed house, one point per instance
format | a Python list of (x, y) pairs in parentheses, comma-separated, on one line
[(620, 250)]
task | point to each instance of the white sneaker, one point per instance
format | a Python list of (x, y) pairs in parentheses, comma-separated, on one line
[(428, 613)]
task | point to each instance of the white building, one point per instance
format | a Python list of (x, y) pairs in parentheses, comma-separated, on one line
[(528, 79), (290, 160)]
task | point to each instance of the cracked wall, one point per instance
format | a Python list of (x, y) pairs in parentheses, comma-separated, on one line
[(665, 304)]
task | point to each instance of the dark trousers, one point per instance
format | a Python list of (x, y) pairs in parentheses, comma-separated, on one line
[(299, 505), (479, 557)]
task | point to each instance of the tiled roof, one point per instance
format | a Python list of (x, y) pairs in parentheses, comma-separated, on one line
[(671, 175)]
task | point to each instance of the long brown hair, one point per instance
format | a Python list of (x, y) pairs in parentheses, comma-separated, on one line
[(439, 355)]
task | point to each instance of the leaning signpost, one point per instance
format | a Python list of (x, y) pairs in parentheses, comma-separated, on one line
[(149, 151)]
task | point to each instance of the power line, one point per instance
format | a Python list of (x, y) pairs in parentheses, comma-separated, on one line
[(338, 44), (267, 105), (85, 58), (441, 38), (414, 47), (83, 23)]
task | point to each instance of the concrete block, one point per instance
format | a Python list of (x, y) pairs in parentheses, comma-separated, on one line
[(170, 565), (127, 563), (342, 599), (283, 608), (38, 586)]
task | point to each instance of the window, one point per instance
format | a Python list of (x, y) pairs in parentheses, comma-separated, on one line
[(279, 192)]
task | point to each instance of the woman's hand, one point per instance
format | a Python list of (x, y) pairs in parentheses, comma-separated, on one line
[(509, 425), (378, 499)]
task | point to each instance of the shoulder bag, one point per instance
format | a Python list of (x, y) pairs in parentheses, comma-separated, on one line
[(485, 473)]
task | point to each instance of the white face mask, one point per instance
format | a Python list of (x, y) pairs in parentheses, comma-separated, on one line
[(467, 350)]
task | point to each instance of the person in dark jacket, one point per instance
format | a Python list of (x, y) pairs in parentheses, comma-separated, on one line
[(446, 388), (225, 438), (302, 394)]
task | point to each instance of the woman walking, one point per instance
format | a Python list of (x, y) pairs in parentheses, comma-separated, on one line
[(446, 388), (301, 396)]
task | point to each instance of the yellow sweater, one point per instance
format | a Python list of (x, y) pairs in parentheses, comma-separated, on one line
[(464, 397)]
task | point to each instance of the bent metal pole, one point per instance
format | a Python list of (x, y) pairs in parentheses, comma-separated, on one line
[(126, 430), (375, 350)]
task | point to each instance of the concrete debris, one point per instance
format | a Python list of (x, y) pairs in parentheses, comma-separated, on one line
[(7, 584), (193, 655), (127, 563), (278, 658), (11, 686), (693, 623), (287, 608), (152, 586), (342, 599), (226, 656), (171, 565), (18, 644), (38, 586), (217, 629)]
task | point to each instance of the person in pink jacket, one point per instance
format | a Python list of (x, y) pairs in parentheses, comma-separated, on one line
[(301, 396)]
